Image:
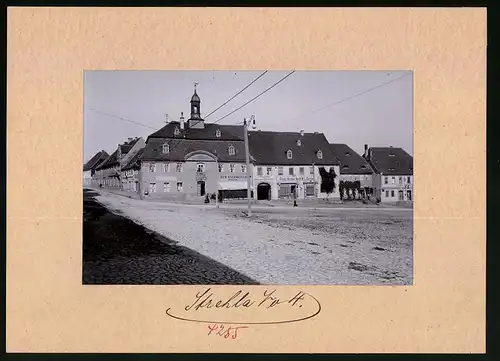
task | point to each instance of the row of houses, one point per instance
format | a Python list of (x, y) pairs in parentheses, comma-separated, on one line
[(191, 158)]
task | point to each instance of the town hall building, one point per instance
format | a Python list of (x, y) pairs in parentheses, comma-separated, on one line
[(190, 158)]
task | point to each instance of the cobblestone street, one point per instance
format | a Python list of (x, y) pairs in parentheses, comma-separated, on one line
[(287, 245), (118, 251)]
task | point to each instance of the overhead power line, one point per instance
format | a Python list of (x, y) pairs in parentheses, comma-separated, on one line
[(350, 97), (248, 102), (238, 93), (122, 118), (251, 100)]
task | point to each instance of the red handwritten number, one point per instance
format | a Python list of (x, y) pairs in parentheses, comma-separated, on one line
[(222, 331), (212, 328), (236, 331)]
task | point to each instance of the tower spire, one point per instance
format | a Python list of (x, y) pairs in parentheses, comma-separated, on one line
[(196, 121)]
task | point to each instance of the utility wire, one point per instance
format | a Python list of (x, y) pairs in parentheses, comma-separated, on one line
[(350, 97), (121, 118), (181, 136), (251, 100), (234, 96), (248, 102)]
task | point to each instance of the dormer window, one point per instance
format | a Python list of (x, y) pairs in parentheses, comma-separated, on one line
[(347, 154), (363, 167), (231, 150), (299, 143), (392, 155), (289, 154), (319, 154), (176, 131), (345, 166), (165, 149), (217, 133), (391, 169)]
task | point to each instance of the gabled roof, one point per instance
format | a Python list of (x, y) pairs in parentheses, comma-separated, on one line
[(96, 160), (125, 147), (179, 148), (134, 161), (227, 132), (350, 161), (109, 162), (389, 160), (270, 148)]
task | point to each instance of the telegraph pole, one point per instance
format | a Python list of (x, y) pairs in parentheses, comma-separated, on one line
[(217, 179), (249, 173)]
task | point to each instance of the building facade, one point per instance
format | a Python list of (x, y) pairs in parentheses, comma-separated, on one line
[(192, 159), (89, 168), (354, 171), (393, 173), (108, 173), (130, 173), (293, 164)]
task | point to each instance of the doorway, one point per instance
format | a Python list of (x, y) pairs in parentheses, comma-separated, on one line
[(264, 192), (400, 195), (201, 188), (408, 194)]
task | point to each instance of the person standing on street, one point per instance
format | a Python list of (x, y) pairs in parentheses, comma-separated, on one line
[(295, 197)]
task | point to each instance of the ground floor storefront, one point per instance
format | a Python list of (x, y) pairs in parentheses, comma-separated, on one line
[(173, 185), (396, 194)]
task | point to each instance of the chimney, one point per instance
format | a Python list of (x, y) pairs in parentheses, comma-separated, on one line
[(182, 120), (365, 154), (130, 139), (302, 132)]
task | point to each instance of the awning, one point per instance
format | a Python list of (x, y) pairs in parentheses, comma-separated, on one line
[(234, 185)]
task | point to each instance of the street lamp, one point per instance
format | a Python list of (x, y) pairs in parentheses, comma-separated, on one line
[(247, 156)]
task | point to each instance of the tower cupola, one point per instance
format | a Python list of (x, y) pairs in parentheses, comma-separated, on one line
[(195, 121)]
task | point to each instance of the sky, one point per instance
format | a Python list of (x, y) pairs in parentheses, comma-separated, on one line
[(350, 107)]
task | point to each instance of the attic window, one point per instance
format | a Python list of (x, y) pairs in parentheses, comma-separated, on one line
[(231, 150), (165, 149), (289, 154), (392, 155), (363, 167), (299, 143), (217, 133), (176, 131), (345, 166), (320, 154), (391, 169), (347, 153)]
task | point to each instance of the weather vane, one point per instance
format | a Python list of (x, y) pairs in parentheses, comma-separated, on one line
[(195, 84)]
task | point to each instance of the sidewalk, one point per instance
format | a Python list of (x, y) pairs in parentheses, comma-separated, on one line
[(276, 206)]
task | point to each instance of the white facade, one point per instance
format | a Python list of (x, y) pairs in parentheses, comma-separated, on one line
[(87, 178), (281, 181), (395, 188)]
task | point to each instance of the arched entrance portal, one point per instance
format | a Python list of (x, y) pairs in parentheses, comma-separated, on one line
[(264, 191)]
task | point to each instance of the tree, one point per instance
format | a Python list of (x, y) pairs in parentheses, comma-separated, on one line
[(327, 180), (348, 187), (356, 188)]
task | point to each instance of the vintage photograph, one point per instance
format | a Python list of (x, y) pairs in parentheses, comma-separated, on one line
[(248, 177)]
